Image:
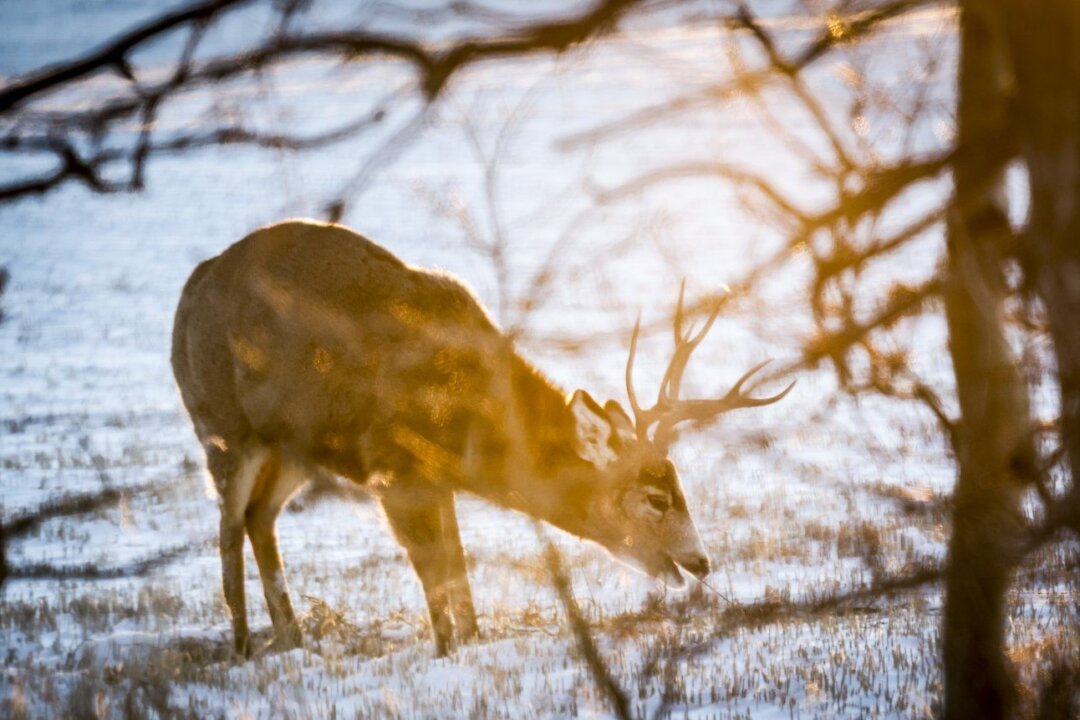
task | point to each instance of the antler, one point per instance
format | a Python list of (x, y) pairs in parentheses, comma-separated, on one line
[(669, 409)]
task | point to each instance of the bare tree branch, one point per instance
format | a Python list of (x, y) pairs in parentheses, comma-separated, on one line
[(596, 664), (707, 169), (434, 64), (114, 53), (901, 302), (93, 571), (72, 166), (839, 31), (780, 64), (66, 506)]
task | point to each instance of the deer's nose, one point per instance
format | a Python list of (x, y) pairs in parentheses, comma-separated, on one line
[(698, 566)]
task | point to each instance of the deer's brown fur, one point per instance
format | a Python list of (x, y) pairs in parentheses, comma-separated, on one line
[(305, 346)]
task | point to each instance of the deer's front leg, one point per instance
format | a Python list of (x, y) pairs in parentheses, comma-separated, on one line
[(461, 601), (415, 514)]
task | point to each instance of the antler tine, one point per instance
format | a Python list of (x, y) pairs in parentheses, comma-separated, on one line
[(673, 368), (713, 314), (736, 389), (676, 324), (735, 395), (669, 410), (700, 410), (630, 394), (691, 345), (761, 402), (684, 347)]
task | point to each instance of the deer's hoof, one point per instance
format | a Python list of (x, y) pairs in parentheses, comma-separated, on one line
[(242, 651), (289, 639), (469, 633)]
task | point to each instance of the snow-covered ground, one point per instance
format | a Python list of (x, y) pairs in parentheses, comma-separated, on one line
[(789, 499)]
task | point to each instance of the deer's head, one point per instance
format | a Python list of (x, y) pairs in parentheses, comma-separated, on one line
[(639, 511)]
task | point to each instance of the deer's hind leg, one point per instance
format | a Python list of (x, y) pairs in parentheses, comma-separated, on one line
[(276, 483), (235, 474)]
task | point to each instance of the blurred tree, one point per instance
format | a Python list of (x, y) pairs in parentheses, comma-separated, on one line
[(1019, 98), (993, 440)]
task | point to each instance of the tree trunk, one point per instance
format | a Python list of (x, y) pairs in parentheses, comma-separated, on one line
[(993, 443), (1044, 40)]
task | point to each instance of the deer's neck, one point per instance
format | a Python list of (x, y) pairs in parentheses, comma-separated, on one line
[(532, 465)]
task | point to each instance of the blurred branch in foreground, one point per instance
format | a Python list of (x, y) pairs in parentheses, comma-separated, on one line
[(89, 142), (597, 667), (24, 525)]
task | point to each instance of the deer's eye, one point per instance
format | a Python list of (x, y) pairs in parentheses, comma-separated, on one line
[(658, 502)]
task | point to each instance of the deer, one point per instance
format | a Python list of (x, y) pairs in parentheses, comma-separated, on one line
[(306, 348)]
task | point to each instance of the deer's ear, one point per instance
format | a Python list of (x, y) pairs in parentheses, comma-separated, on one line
[(621, 422), (594, 430)]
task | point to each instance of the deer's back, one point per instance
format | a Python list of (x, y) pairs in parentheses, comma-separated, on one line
[(311, 336)]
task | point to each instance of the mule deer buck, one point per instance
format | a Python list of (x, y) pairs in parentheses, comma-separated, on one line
[(305, 346)]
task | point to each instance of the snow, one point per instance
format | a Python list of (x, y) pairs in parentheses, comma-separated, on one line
[(87, 401)]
